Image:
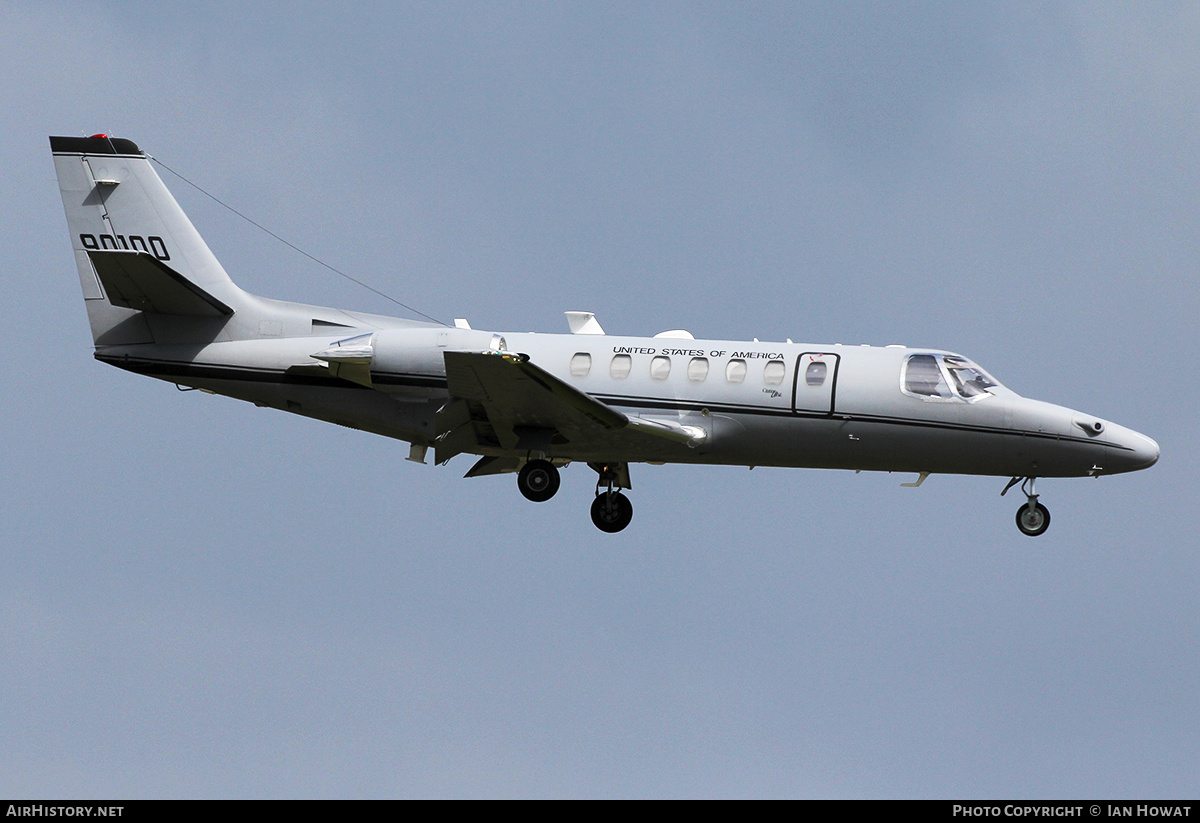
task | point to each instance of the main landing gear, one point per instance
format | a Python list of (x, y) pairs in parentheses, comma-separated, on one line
[(1033, 518), (538, 481)]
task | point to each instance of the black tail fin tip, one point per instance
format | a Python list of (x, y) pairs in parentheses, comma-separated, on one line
[(96, 144)]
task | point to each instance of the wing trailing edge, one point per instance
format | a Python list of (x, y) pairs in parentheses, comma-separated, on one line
[(505, 398)]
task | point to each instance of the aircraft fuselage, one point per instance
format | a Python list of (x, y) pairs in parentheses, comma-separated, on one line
[(859, 417)]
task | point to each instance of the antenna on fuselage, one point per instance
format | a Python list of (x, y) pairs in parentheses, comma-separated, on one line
[(291, 245)]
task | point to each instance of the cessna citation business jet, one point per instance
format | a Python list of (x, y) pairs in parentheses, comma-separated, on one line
[(160, 304)]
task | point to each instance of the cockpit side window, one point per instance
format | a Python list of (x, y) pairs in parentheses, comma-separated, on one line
[(923, 378), (945, 377)]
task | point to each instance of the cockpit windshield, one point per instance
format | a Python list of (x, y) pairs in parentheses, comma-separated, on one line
[(968, 379), (946, 377)]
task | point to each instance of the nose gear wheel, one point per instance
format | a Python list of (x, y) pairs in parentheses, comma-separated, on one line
[(1033, 518)]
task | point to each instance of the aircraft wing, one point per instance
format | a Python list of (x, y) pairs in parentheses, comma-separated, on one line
[(502, 399)]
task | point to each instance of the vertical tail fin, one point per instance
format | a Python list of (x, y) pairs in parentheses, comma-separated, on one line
[(135, 249)]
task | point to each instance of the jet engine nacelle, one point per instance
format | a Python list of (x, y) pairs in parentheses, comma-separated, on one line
[(421, 350)]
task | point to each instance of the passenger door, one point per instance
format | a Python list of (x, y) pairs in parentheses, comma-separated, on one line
[(815, 387)]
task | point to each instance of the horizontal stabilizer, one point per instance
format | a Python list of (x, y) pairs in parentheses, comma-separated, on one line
[(139, 280), (350, 359)]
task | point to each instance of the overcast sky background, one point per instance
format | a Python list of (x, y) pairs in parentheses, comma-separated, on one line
[(202, 598)]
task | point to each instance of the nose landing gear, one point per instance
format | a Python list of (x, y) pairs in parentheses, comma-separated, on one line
[(1033, 518)]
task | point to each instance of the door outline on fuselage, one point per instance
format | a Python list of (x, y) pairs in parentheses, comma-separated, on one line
[(821, 401)]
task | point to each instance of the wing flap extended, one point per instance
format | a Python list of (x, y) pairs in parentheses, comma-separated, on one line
[(139, 280), (524, 394)]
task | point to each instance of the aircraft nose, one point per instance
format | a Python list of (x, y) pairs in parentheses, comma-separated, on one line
[(1135, 452), (1146, 452)]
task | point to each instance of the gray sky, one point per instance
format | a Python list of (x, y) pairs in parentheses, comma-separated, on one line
[(202, 598)]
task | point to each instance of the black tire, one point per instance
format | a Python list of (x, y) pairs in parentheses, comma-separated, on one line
[(1033, 519), (611, 512), (538, 480)]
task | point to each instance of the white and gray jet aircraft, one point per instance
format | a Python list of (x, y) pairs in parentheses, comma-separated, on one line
[(160, 304)]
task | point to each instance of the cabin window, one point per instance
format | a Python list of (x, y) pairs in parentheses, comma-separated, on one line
[(773, 372), (660, 367), (620, 366), (735, 371), (814, 375), (697, 369), (581, 364)]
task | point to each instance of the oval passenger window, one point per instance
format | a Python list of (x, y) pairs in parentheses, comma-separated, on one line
[(660, 367), (581, 364), (620, 366)]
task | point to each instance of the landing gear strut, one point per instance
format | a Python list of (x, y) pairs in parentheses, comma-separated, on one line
[(1033, 518), (538, 480), (611, 510)]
